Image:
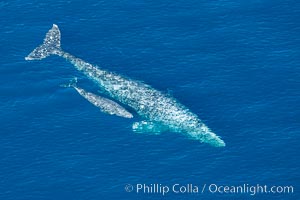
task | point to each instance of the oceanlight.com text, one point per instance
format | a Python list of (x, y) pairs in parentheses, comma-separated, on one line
[(250, 189)]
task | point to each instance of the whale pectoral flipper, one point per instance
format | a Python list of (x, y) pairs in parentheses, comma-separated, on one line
[(148, 127)]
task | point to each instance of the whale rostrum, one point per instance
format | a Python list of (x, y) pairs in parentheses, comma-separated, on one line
[(157, 109)]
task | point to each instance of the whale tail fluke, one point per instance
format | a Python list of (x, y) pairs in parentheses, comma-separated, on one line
[(51, 45)]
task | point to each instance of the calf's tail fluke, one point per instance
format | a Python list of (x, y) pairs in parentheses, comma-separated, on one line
[(51, 45), (72, 83)]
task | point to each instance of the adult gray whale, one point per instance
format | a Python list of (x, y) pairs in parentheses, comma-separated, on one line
[(105, 105), (159, 111)]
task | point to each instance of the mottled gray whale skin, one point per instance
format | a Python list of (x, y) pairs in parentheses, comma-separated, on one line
[(159, 111), (105, 105)]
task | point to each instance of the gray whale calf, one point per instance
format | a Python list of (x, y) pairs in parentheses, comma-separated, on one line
[(105, 105), (159, 111)]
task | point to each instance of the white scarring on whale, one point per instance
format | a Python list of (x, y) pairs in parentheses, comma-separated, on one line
[(106, 105), (158, 110)]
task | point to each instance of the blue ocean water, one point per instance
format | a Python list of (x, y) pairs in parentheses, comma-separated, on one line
[(233, 63)]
